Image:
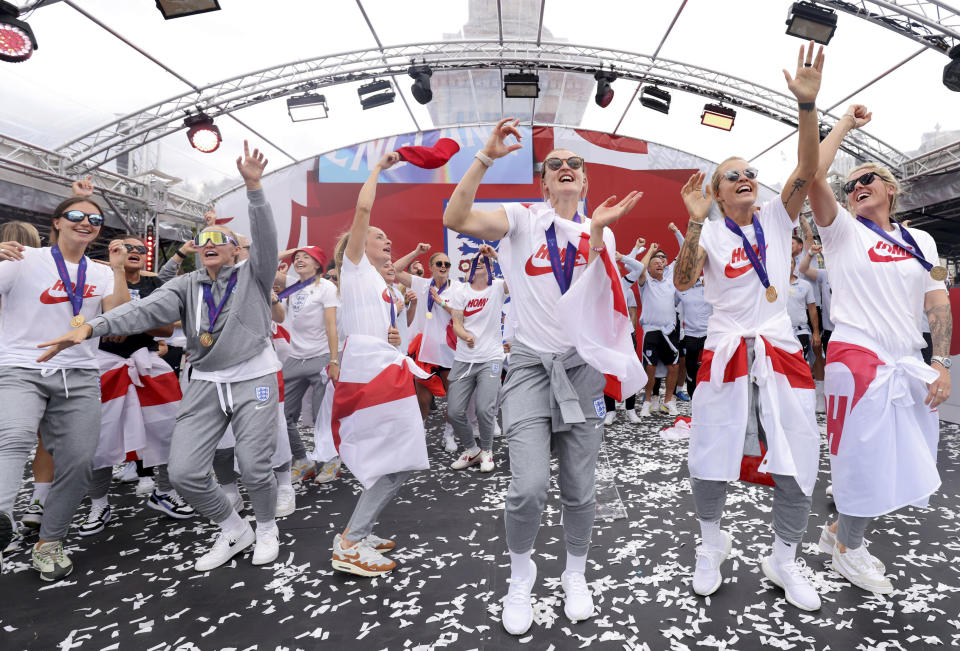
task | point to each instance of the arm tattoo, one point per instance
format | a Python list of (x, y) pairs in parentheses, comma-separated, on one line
[(941, 329), (689, 261), (797, 185)]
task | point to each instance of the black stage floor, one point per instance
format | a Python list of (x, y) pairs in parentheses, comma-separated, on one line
[(134, 586)]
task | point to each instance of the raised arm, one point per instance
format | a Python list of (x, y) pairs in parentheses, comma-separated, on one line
[(805, 259), (689, 263), (400, 266), (804, 86), (361, 216), (121, 293), (822, 199), (263, 229), (676, 233), (641, 278), (460, 214)]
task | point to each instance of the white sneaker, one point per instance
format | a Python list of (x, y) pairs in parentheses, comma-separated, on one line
[(449, 442), (706, 574), (828, 540), (486, 461), (855, 566), (796, 587), (466, 460), (382, 545), (145, 486), (632, 416), (302, 470), (829, 491), (517, 613), (127, 473), (645, 410), (361, 559), (610, 417), (655, 405), (224, 548), (671, 407), (329, 472), (267, 547), (286, 500), (577, 599)]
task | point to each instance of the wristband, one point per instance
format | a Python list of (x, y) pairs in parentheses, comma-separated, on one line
[(807, 106), (484, 159), (180, 253), (334, 361)]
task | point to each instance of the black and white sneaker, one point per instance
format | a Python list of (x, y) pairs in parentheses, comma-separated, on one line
[(170, 504), (224, 548), (51, 561), (33, 515), (96, 520)]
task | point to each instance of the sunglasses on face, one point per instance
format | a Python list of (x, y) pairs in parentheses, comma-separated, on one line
[(139, 248), (574, 163), (442, 265), (217, 238), (331, 277), (76, 216), (733, 175), (865, 179)]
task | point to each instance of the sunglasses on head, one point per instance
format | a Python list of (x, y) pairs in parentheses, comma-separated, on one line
[(217, 238), (76, 216), (442, 264), (865, 179), (574, 163), (139, 248), (733, 175)]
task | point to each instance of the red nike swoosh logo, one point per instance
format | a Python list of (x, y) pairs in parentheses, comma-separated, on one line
[(467, 313), (536, 270), (46, 299), (886, 257), (735, 272)]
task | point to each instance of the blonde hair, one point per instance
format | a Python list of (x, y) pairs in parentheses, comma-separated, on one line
[(338, 250), (886, 176), (715, 180), (21, 232)]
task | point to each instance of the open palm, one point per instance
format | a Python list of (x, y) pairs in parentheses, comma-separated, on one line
[(696, 200), (805, 84)]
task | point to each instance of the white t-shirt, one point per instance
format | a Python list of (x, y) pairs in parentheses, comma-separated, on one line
[(438, 334), (534, 291), (36, 309), (482, 311), (799, 295), (305, 309), (362, 303), (878, 287), (731, 285), (696, 310), (400, 308), (263, 363), (659, 299)]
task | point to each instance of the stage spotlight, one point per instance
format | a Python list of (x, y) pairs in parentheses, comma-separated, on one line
[(811, 23), (151, 246), (17, 42), (307, 107), (421, 85), (604, 92), (718, 117), (180, 8), (655, 98), (202, 133), (951, 71), (376, 93), (521, 84)]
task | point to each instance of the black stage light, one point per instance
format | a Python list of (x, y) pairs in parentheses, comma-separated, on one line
[(421, 85), (17, 42), (604, 91), (811, 23), (719, 117), (202, 133), (655, 98), (521, 84), (180, 8), (376, 93), (307, 107), (951, 71)]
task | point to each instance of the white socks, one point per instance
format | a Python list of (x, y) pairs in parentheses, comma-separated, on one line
[(234, 524), (520, 565), (270, 525), (576, 563), (710, 532), (40, 490), (231, 490), (101, 502), (784, 552)]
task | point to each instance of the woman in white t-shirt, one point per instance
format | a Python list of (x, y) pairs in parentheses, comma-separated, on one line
[(882, 399), (45, 291), (477, 309), (760, 391)]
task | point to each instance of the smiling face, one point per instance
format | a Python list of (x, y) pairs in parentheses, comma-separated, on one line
[(480, 276), (389, 272), (214, 257), (77, 233), (305, 265), (439, 267), (734, 196), (876, 197), (377, 247), (564, 183)]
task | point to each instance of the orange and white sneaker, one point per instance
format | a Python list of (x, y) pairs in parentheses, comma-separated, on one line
[(382, 545), (360, 559)]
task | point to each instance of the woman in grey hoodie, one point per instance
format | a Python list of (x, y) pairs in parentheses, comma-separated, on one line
[(225, 311)]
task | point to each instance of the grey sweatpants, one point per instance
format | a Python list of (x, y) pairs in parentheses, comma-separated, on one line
[(527, 423), (67, 403), (371, 503), (206, 409), (101, 478), (299, 375), (223, 466), (482, 381), (851, 529)]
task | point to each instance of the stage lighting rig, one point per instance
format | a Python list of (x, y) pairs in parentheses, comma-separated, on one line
[(604, 91), (202, 133), (309, 106), (17, 42), (811, 23), (718, 117), (521, 84), (421, 85), (655, 98), (180, 8), (376, 93), (951, 71)]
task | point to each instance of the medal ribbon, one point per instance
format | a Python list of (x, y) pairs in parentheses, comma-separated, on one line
[(563, 272), (393, 309), (433, 283), (473, 269), (758, 261), (294, 288), (910, 246), (74, 293), (214, 310)]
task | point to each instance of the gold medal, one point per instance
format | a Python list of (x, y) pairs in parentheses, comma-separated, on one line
[(78, 320), (938, 273), (429, 315), (771, 294), (206, 339)]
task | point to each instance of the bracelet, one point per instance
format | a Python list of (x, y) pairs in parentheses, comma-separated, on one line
[(483, 158), (334, 361), (274, 301), (807, 106), (598, 249), (180, 253)]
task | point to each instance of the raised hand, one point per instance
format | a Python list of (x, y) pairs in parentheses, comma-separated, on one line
[(673, 227), (640, 243), (654, 247), (487, 250), (619, 256), (388, 160), (609, 212), (282, 268), (861, 116), (815, 249), (189, 247), (496, 146), (83, 187), (251, 167), (697, 200), (11, 250), (72, 338), (422, 248), (806, 83), (210, 218), (118, 254)]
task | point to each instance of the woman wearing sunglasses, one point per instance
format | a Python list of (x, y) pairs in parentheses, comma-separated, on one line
[(552, 399), (225, 311), (756, 394), (45, 291), (882, 419)]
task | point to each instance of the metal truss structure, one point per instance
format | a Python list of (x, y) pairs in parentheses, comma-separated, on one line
[(931, 23), (136, 129), (936, 161)]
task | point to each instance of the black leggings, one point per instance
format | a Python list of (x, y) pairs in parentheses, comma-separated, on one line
[(692, 348), (611, 404)]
